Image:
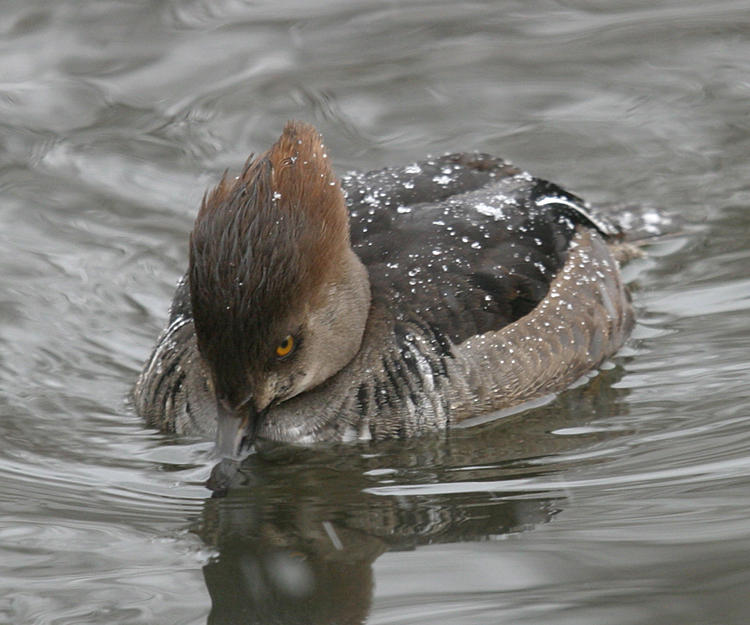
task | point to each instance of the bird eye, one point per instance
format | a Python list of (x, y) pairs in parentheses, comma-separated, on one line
[(286, 346)]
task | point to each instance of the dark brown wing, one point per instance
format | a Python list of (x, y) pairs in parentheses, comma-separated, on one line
[(466, 243)]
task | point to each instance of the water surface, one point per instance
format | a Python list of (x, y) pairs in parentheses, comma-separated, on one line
[(624, 500)]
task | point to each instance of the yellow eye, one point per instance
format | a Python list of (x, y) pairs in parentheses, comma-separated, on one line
[(286, 346)]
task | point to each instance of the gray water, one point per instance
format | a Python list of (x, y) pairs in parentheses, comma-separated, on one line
[(624, 500)]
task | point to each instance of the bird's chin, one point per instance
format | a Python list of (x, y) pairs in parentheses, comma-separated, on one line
[(288, 430)]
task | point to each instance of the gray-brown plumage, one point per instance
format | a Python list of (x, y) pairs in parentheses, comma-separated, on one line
[(415, 299)]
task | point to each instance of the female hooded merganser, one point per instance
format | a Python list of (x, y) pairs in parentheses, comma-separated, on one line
[(392, 303)]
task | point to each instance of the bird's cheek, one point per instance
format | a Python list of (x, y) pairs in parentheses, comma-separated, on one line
[(289, 385)]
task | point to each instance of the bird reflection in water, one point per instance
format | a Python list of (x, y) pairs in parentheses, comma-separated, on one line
[(297, 530)]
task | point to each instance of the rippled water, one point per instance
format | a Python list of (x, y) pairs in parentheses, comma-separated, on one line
[(624, 500)]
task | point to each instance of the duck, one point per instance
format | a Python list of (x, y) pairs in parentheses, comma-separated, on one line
[(379, 305)]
